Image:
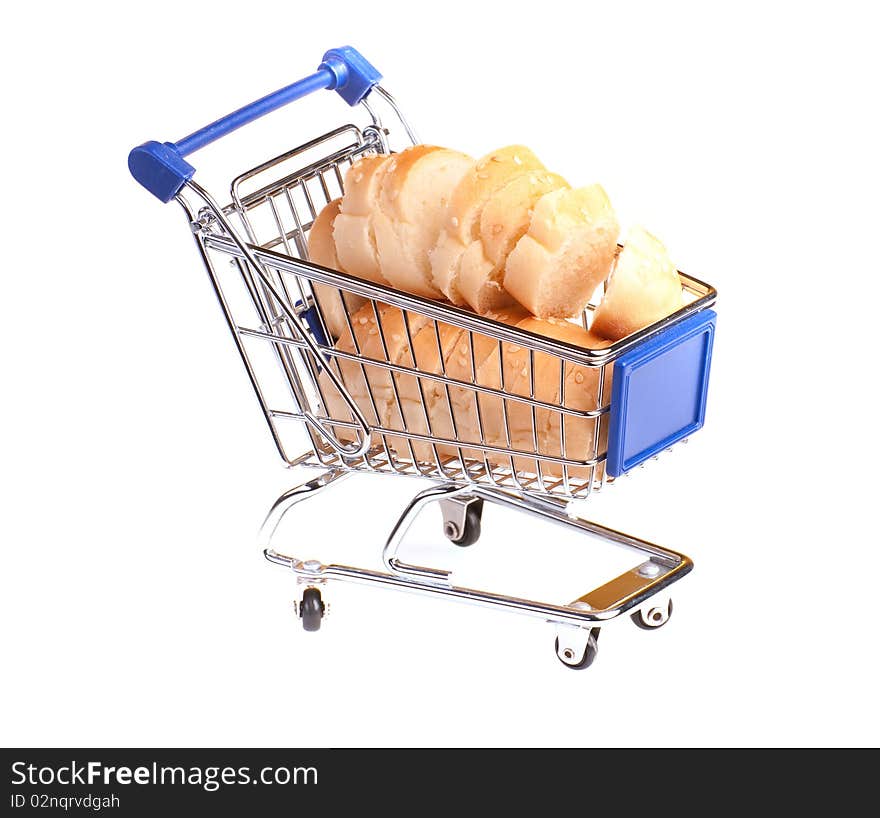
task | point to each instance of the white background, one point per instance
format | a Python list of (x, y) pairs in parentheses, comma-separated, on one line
[(135, 607)]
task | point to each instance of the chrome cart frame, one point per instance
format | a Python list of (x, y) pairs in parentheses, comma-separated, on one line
[(276, 305)]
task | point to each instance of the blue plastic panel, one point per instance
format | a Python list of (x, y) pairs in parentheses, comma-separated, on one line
[(314, 324), (658, 395)]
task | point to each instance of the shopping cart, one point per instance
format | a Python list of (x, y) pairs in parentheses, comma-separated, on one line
[(651, 385)]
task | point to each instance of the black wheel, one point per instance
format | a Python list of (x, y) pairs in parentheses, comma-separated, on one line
[(471, 533), (590, 653), (311, 609), (655, 617)]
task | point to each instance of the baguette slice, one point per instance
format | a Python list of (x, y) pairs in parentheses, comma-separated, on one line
[(519, 424), (410, 212), (333, 303), (501, 423), (423, 402), (469, 362), (559, 434), (445, 259), (370, 385), (644, 287), (490, 174), (509, 423), (566, 253), (507, 214), (480, 281), (504, 220), (353, 231)]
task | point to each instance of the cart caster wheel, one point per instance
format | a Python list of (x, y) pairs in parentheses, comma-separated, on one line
[(471, 531), (311, 609), (655, 617), (571, 660)]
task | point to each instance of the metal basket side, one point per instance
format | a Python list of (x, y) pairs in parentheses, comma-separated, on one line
[(528, 413)]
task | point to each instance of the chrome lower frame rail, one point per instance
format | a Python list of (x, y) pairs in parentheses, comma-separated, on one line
[(640, 592)]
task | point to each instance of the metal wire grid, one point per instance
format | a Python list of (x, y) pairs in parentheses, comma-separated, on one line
[(423, 431), (423, 436)]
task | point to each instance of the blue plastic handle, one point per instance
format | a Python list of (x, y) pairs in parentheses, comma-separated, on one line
[(160, 166)]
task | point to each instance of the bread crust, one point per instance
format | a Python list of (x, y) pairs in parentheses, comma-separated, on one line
[(480, 281), (412, 204), (490, 174), (353, 230), (322, 250), (368, 384), (505, 218), (362, 183), (423, 399), (566, 253), (445, 261), (644, 287), (579, 390)]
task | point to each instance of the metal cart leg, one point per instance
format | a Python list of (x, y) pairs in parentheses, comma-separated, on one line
[(577, 624), (311, 607), (293, 496)]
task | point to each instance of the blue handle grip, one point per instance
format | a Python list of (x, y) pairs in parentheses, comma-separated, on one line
[(161, 168)]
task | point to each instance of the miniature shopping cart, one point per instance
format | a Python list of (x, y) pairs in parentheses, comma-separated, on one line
[(274, 301)]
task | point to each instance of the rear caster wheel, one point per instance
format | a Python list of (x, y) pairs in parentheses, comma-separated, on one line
[(469, 531), (580, 660), (311, 609), (652, 618)]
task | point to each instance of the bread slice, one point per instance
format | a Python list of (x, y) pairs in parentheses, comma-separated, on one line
[(368, 384), (561, 383), (496, 365), (333, 303), (515, 424), (474, 359), (644, 287), (508, 423), (411, 210), (503, 221), (506, 215), (445, 258), (322, 249), (442, 410), (566, 253), (424, 407), (475, 188), (353, 231), (492, 172), (480, 281)]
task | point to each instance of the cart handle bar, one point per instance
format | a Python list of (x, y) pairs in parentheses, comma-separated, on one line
[(161, 168)]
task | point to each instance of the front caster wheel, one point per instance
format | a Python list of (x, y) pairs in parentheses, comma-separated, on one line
[(652, 618), (468, 531), (575, 660), (311, 609)]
